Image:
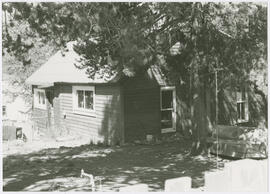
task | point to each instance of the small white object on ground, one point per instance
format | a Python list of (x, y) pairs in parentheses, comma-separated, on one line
[(91, 177), (182, 184), (135, 188), (247, 175), (149, 138), (216, 181)]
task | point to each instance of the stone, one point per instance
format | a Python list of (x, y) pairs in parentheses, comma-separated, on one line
[(247, 175), (149, 138), (265, 171), (217, 181), (182, 184), (135, 188)]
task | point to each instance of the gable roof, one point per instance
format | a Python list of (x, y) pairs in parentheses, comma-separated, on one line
[(160, 77), (61, 69)]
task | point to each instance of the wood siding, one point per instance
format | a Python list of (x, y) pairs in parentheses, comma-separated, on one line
[(105, 125), (257, 107), (39, 117), (58, 120), (141, 107), (46, 121), (131, 109), (183, 118), (40, 120), (227, 107)]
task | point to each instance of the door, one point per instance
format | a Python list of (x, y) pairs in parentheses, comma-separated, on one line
[(168, 109), (49, 103)]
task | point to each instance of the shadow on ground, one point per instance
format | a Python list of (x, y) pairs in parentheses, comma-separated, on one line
[(59, 169)]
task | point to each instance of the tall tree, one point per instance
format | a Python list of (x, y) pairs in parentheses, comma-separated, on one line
[(20, 62)]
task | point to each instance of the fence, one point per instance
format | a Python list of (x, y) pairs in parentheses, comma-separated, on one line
[(241, 175), (44, 127)]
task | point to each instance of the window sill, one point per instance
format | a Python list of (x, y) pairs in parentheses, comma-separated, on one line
[(242, 121), (40, 107), (168, 130), (84, 112)]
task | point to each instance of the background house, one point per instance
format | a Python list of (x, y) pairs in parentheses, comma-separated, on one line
[(245, 104), (15, 109), (16, 112)]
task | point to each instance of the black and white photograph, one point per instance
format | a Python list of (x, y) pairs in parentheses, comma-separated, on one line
[(134, 96)]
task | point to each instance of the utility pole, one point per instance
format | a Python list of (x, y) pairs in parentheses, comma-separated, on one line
[(216, 96)]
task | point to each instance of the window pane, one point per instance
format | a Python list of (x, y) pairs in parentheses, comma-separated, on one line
[(39, 98), (4, 110), (50, 95), (89, 99), (243, 111), (239, 96), (42, 97), (238, 110), (166, 119), (243, 94), (80, 98), (166, 98)]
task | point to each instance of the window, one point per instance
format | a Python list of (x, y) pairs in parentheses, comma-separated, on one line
[(50, 96), (39, 98), (4, 111), (83, 99), (242, 106), (167, 107)]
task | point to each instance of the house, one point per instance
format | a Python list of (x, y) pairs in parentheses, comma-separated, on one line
[(16, 112), (115, 110), (245, 105), (112, 109), (15, 109)]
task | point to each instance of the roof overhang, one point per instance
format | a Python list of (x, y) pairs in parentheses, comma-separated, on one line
[(46, 85), (62, 69)]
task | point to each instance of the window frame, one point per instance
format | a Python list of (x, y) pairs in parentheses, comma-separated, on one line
[(241, 101), (173, 108), (78, 110), (36, 97), (4, 112)]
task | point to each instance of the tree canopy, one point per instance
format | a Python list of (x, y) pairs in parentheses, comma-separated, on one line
[(128, 37)]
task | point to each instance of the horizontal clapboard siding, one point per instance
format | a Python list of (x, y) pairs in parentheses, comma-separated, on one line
[(104, 124), (40, 119)]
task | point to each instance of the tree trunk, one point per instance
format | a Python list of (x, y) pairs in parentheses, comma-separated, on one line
[(201, 122)]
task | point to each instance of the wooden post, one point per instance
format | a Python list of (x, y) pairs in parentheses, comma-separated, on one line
[(122, 116), (216, 82), (91, 178), (216, 118)]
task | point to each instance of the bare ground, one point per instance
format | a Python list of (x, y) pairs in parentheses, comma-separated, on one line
[(32, 168)]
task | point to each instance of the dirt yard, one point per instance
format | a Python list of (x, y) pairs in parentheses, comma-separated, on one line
[(29, 167)]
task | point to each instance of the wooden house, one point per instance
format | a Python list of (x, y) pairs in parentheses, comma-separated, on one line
[(114, 109)]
